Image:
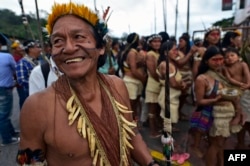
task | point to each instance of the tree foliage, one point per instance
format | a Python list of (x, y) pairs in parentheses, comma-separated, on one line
[(12, 25), (226, 22)]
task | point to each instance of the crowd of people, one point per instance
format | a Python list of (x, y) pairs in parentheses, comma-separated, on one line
[(86, 80)]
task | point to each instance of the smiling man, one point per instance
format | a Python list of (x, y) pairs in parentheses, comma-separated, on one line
[(82, 118)]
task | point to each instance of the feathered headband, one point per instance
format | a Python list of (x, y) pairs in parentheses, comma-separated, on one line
[(58, 10)]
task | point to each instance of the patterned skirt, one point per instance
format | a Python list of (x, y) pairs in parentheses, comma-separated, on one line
[(202, 118)]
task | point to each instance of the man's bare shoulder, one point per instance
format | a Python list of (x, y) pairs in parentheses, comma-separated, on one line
[(115, 79), (38, 103)]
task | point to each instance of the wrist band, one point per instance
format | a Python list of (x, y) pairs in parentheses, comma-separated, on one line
[(152, 163)]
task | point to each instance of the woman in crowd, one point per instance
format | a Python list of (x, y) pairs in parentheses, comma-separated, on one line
[(132, 65), (176, 84), (232, 39), (212, 38), (216, 113), (185, 56), (153, 85)]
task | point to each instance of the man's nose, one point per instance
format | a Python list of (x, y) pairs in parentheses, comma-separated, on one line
[(69, 46)]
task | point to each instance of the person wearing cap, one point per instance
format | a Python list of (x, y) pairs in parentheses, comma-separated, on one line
[(7, 71), (24, 68), (17, 50), (84, 118)]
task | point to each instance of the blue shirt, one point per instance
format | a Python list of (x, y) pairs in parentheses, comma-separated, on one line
[(105, 68), (23, 70), (7, 70)]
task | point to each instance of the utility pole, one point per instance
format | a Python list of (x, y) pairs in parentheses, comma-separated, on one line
[(188, 6), (24, 18), (164, 5), (176, 17), (40, 29), (155, 16)]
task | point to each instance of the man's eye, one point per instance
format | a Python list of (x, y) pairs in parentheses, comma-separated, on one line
[(56, 41), (80, 37)]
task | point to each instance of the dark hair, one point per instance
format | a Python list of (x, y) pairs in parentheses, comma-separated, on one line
[(28, 44), (115, 42), (209, 53), (173, 38), (164, 35), (231, 49), (226, 42), (165, 47), (185, 37), (197, 41), (132, 42)]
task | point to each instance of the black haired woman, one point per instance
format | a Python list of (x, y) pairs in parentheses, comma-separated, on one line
[(176, 84), (214, 113), (153, 85), (132, 66)]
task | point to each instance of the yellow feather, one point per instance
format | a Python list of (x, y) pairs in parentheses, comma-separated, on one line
[(70, 8)]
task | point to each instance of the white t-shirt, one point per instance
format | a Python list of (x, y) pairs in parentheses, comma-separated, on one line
[(36, 79)]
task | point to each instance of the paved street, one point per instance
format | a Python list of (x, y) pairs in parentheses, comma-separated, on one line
[(8, 153), (182, 139)]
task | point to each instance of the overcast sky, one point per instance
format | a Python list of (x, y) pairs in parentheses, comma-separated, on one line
[(142, 16)]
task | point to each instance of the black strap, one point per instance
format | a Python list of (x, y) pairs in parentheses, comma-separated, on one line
[(45, 70)]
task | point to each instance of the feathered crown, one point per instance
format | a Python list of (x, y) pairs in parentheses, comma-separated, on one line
[(58, 10)]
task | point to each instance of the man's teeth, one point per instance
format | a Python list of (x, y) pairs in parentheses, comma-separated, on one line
[(73, 60)]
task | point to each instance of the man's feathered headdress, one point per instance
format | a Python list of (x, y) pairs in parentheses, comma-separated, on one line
[(99, 23)]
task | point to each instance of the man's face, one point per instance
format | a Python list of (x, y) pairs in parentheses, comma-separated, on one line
[(19, 50), (74, 47), (35, 51)]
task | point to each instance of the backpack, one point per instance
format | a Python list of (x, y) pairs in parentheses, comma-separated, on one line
[(45, 67)]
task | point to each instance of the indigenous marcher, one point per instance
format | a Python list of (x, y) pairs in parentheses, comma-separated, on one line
[(185, 52), (110, 66), (214, 113), (7, 72), (153, 85), (134, 75), (212, 37), (237, 72), (24, 68), (169, 50), (84, 118), (232, 39)]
